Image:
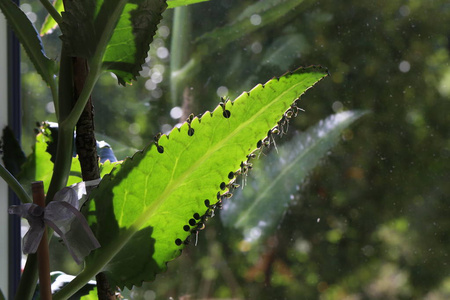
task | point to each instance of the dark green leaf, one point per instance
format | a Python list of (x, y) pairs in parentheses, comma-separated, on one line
[(258, 209), (268, 11), (39, 165), (120, 30), (176, 3)]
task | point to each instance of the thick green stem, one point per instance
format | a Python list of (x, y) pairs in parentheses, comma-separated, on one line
[(63, 105), (14, 185), (63, 162), (179, 51)]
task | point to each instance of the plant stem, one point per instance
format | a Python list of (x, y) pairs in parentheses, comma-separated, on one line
[(95, 64), (27, 284), (179, 50), (52, 11), (92, 269), (62, 163), (45, 290), (80, 104), (54, 92), (14, 185), (76, 284)]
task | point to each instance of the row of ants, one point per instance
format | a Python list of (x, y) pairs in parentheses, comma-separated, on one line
[(197, 222)]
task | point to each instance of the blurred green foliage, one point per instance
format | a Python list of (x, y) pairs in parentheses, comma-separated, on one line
[(371, 223)]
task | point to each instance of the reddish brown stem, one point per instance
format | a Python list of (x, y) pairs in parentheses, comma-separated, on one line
[(87, 153), (37, 189), (85, 139)]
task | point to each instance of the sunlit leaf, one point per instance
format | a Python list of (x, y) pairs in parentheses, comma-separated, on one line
[(145, 210), (258, 209), (50, 24), (93, 295), (176, 3), (13, 156)]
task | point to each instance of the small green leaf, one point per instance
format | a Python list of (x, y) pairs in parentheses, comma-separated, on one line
[(30, 40), (176, 3), (118, 30), (13, 156), (258, 209), (93, 295), (147, 207), (50, 24)]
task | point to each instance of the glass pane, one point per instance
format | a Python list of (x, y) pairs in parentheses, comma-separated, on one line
[(371, 219)]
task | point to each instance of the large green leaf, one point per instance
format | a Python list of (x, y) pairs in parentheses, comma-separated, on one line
[(30, 40), (145, 210), (258, 209), (119, 31)]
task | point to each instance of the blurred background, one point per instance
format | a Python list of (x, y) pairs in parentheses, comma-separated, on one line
[(372, 220)]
